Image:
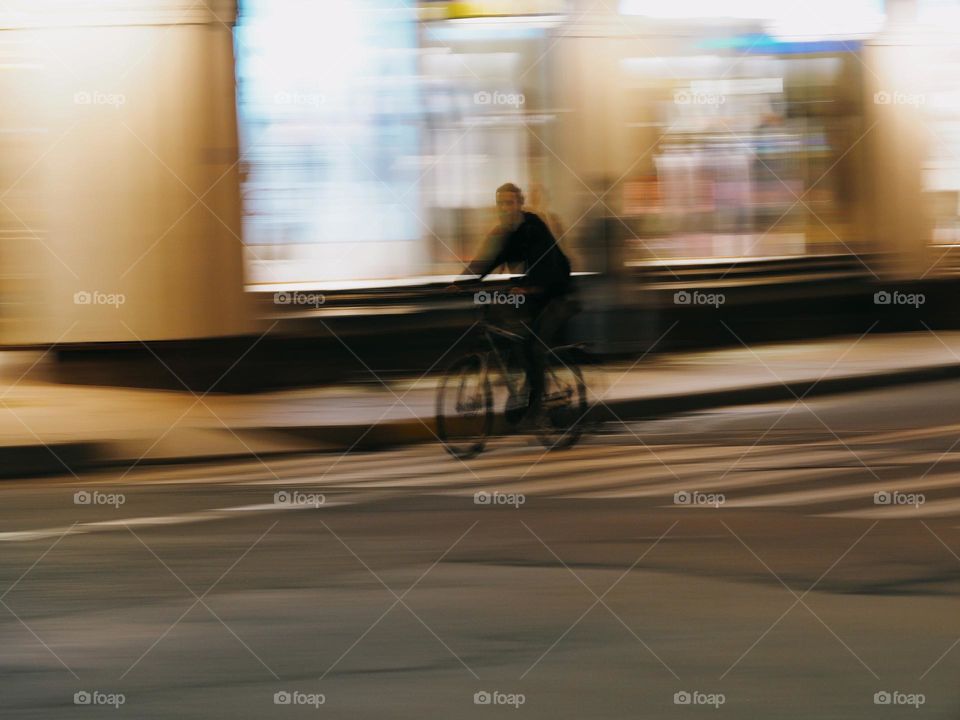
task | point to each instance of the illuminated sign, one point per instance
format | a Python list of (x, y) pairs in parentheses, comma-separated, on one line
[(462, 9)]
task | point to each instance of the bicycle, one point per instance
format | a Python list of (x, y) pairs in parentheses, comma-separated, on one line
[(465, 396)]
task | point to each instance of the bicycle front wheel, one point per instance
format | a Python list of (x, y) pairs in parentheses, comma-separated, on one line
[(465, 407), (564, 404)]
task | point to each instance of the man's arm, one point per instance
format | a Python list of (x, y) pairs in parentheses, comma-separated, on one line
[(478, 269)]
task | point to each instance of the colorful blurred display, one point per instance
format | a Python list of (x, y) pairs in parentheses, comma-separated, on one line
[(375, 134)]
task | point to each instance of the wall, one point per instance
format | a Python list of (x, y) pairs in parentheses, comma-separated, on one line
[(119, 194)]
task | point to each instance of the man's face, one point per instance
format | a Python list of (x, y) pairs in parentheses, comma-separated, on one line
[(508, 208)]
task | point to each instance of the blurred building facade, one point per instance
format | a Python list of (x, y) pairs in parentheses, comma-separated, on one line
[(120, 205), (167, 153), (750, 135)]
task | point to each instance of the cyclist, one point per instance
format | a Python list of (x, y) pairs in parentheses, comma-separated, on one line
[(524, 239)]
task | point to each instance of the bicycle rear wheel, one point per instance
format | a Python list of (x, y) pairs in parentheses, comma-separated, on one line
[(465, 407), (564, 404)]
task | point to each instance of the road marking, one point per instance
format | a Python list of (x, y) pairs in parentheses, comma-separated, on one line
[(160, 520), (931, 508), (752, 478), (865, 491)]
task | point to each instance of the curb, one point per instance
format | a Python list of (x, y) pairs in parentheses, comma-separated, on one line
[(411, 432), (38, 460), (658, 407)]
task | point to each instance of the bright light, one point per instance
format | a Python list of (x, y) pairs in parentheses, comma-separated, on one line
[(815, 19), (690, 9), (325, 41), (943, 13), (786, 19)]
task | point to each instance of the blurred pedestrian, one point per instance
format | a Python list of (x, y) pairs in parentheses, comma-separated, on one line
[(539, 203)]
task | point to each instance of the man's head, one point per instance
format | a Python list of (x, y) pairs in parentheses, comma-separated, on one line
[(509, 205)]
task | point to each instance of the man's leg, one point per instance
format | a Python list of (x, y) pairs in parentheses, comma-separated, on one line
[(547, 326)]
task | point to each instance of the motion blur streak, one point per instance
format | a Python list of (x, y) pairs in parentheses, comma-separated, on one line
[(394, 358)]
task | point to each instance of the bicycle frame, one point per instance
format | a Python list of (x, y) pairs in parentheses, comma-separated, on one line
[(489, 330), (561, 394)]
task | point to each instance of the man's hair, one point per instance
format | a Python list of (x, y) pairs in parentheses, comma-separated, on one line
[(510, 187)]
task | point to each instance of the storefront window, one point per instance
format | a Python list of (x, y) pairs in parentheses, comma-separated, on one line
[(747, 152), (330, 122)]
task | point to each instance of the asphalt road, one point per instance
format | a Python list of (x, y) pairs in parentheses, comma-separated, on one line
[(740, 560)]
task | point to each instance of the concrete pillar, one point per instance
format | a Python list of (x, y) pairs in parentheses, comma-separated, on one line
[(119, 159), (897, 146)]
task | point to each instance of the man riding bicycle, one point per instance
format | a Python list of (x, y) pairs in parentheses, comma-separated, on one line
[(524, 238)]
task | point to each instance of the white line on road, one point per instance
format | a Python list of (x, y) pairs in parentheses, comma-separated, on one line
[(159, 520)]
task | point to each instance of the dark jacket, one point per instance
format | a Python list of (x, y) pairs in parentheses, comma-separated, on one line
[(532, 245)]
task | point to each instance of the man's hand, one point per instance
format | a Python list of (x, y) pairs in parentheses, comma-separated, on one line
[(526, 290)]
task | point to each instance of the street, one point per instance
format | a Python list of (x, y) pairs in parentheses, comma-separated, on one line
[(790, 560)]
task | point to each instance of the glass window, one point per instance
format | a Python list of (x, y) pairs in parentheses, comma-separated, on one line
[(330, 130)]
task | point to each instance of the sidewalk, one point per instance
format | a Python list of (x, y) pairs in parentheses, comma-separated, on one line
[(45, 427)]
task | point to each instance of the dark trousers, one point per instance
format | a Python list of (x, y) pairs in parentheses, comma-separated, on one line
[(549, 318)]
